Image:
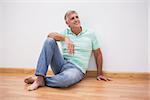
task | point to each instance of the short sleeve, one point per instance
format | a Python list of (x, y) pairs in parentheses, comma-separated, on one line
[(95, 43)]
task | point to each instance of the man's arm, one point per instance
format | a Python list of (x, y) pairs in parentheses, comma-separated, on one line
[(99, 61), (99, 64), (60, 37), (56, 36)]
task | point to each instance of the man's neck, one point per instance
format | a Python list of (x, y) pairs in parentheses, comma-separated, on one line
[(76, 30)]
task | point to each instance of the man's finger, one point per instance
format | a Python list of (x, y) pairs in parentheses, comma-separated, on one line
[(101, 78), (73, 49), (109, 79), (69, 48)]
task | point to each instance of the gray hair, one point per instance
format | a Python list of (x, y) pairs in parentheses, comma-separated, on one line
[(68, 13)]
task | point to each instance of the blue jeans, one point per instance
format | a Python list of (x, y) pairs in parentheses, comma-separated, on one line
[(66, 73)]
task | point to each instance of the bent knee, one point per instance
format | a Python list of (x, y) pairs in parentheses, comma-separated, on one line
[(50, 41)]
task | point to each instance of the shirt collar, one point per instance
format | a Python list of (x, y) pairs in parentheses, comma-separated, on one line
[(82, 32)]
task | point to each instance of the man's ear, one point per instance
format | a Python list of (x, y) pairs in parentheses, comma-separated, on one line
[(66, 22)]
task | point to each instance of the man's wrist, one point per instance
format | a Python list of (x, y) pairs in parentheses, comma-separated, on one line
[(65, 37)]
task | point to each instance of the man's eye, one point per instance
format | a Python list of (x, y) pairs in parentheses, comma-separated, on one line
[(77, 17)]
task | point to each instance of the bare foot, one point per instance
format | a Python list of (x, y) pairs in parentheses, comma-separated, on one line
[(29, 80), (39, 82)]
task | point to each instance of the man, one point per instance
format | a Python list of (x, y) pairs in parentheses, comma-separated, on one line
[(69, 68)]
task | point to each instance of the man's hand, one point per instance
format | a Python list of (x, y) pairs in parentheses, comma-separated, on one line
[(70, 45), (101, 77)]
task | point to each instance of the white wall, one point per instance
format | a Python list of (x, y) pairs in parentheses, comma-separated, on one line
[(149, 35), (1, 39), (121, 26)]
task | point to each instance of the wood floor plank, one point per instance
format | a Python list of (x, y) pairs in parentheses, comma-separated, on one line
[(12, 87)]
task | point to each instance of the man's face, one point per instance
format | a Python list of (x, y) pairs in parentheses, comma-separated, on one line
[(73, 20)]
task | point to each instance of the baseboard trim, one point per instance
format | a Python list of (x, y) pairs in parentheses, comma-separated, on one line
[(24, 71), (30, 71), (137, 75)]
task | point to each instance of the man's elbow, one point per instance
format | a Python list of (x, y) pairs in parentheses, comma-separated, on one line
[(97, 52)]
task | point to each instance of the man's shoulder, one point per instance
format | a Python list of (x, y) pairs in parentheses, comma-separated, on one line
[(88, 30)]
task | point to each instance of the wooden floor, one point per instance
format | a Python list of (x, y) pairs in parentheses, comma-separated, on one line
[(12, 87)]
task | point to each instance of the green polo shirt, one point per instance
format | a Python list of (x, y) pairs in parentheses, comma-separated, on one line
[(84, 43)]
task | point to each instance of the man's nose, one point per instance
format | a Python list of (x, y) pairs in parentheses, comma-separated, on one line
[(75, 18)]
